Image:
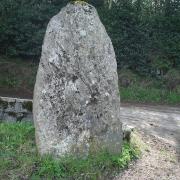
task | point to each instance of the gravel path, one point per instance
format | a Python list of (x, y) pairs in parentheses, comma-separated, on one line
[(159, 128), (162, 122), (158, 162)]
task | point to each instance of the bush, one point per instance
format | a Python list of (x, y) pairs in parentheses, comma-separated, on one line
[(172, 79), (126, 78)]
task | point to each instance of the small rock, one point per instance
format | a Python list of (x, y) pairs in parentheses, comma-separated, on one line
[(127, 130)]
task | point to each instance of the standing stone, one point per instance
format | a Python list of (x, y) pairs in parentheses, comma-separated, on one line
[(76, 98)]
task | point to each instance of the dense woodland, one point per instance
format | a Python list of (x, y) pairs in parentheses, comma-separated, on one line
[(145, 33)]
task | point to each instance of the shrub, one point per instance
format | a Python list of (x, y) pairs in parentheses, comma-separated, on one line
[(126, 78), (172, 79)]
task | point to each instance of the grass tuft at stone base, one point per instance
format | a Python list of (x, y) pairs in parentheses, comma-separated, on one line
[(19, 158)]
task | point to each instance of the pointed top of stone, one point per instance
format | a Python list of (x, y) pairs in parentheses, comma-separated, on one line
[(75, 6)]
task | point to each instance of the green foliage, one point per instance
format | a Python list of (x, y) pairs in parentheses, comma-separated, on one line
[(145, 39), (19, 158), (128, 35), (17, 73), (145, 34), (134, 88), (143, 89), (127, 78), (23, 24), (172, 79), (136, 93), (9, 81)]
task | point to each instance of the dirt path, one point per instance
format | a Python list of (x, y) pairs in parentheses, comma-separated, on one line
[(161, 121), (159, 128), (158, 162)]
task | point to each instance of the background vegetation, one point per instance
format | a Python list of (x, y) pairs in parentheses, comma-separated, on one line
[(145, 35)]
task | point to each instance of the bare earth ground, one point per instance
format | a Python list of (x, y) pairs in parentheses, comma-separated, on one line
[(158, 162), (161, 121), (159, 127)]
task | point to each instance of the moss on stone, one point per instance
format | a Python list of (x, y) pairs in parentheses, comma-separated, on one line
[(79, 2)]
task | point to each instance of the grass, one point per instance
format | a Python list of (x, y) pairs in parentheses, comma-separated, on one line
[(19, 158), (139, 89), (140, 94)]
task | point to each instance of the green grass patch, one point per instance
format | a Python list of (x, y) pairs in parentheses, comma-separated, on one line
[(149, 95), (19, 158), (140, 89)]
